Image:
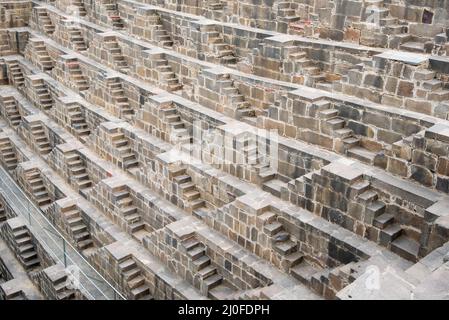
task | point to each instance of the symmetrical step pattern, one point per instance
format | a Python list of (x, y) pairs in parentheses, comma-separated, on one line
[(77, 40), (222, 52), (128, 210), (45, 101), (25, 248), (12, 111), (43, 58), (115, 52), (37, 188), (80, 9), (161, 35), (76, 75), (3, 217), (45, 21), (179, 134), (77, 228), (187, 190), (8, 154), (121, 143), (241, 108), (40, 138), (77, 172), (78, 121), (134, 280), (167, 77), (119, 97), (204, 270), (16, 74), (113, 13), (281, 240)]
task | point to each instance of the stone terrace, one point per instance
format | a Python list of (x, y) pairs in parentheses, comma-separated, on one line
[(228, 149)]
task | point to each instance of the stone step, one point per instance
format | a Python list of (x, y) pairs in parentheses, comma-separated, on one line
[(362, 154), (406, 248)]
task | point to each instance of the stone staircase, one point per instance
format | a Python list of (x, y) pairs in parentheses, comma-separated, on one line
[(77, 228), (241, 108), (306, 67), (187, 190), (8, 154), (286, 11), (3, 216), (79, 5), (167, 78), (222, 52), (120, 99), (77, 40), (78, 173), (44, 98), (16, 73), (115, 52), (45, 21), (128, 157), (203, 269), (25, 248), (281, 240), (391, 233), (129, 211), (37, 188), (333, 125), (44, 60), (161, 36), (76, 75), (134, 280), (56, 283), (111, 8), (12, 111), (78, 122), (178, 133), (40, 138)]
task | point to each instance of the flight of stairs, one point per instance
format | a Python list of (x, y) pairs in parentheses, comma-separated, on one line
[(128, 157), (179, 134), (187, 190), (77, 172), (37, 188), (45, 100), (26, 251), (161, 35), (77, 40), (309, 69), (78, 122), (221, 51), (118, 59), (241, 108), (134, 280), (128, 210), (45, 21), (77, 228), (79, 4), (8, 154), (167, 77), (16, 73), (335, 126), (12, 111), (76, 75), (285, 11), (3, 216), (113, 14), (42, 55), (40, 138), (204, 270), (281, 240), (120, 99), (60, 283)]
